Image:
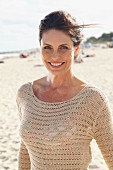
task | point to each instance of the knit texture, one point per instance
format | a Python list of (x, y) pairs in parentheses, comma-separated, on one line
[(57, 135)]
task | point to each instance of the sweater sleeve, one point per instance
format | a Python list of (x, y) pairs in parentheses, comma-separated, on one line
[(103, 132), (23, 155), (23, 158)]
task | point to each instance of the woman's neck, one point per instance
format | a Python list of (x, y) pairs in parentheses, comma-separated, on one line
[(61, 80)]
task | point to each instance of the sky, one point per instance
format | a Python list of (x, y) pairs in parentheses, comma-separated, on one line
[(19, 19)]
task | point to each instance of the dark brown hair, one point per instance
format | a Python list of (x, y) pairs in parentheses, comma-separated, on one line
[(61, 20)]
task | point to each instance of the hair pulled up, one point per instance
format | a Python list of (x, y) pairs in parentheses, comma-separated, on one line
[(63, 21)]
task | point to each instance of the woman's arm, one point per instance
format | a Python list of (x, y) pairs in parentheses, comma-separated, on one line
[(103, 133), (23, 158), (23, 155)]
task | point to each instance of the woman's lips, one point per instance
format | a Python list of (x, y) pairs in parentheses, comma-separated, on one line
[(56, 65)]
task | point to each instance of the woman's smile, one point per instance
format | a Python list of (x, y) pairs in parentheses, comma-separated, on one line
[(56, 65)]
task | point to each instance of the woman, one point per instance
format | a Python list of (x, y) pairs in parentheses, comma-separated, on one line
[(60, 114)]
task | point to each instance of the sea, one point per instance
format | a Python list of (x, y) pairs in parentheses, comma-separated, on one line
[(8, 55)]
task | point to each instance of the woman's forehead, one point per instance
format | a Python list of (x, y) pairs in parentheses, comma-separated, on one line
[(56, 36)]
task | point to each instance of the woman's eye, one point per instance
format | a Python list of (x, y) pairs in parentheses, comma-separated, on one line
[(64, 47), (47, 48)]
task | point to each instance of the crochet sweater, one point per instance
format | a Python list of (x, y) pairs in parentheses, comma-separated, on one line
[(57, 135)]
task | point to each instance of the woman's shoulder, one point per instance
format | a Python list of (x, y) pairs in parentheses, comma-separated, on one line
[(23, 87), (39, 82), (95, 89), (97, 93), (23, 91)]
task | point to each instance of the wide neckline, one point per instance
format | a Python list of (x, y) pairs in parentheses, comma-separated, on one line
[(60, 102)]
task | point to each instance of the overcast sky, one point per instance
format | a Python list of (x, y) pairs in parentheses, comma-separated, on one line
[(19, 19)]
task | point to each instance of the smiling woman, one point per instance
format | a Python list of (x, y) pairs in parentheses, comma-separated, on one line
[(57, 51), (60, 114)]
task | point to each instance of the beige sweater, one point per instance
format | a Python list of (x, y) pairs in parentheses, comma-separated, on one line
[(57, 135)]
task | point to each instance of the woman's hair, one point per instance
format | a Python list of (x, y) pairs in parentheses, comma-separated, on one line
[(63, 21)]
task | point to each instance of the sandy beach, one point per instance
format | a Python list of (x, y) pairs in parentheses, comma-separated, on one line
[(14, 72)]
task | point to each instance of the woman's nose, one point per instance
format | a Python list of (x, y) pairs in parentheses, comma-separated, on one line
[(55, 54)]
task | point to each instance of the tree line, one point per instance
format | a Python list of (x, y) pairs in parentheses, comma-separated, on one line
[(104, 38)]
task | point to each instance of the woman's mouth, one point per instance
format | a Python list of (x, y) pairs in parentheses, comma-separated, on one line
[(56, 65)]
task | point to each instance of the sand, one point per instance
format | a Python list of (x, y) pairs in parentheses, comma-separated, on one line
[(14, 72)]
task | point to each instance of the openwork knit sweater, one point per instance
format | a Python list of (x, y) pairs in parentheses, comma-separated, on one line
[(57, 135)]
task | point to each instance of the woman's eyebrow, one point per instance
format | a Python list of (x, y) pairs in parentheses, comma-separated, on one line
[(64, 44), (46, 44), (59, 45)]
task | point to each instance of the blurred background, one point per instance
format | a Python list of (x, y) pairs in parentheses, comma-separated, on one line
[(19, 19)]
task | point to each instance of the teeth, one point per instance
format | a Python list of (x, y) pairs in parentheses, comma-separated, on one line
[(55, 64)]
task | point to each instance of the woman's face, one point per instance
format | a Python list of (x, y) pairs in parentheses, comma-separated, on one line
[(57, 51)]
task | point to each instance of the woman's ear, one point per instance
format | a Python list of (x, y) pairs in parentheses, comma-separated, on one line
[(77, 48), (76, 51)]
